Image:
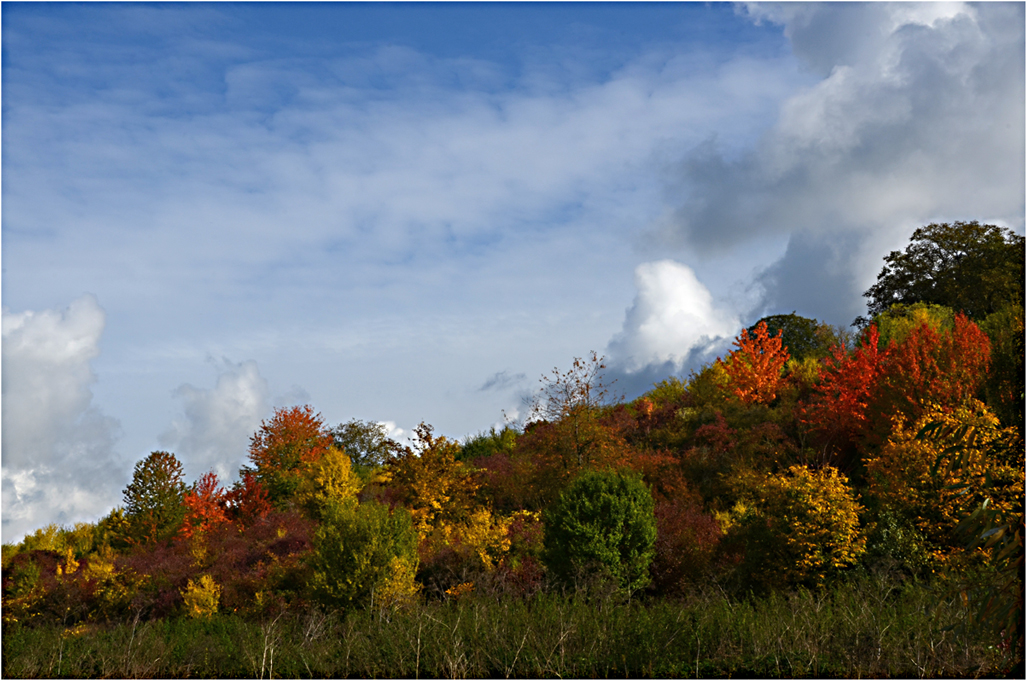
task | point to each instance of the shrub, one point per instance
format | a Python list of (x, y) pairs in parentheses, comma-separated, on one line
[(603, 521), (355, 553), (685, 544), (798, 527), (201, 597)]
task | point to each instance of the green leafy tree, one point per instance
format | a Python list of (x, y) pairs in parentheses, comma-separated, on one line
[(367, 444), (603, 522), (802, 337), (489, 443), (364, 553), (1004, 387), (897, 323), (154, 508), (970, 267)]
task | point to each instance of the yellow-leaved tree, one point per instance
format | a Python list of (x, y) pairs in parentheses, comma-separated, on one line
[(908, 475), (327, 479), (436, 487)]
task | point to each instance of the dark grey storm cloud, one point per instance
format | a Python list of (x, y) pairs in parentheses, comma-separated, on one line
[(919, 117), (502, 380)]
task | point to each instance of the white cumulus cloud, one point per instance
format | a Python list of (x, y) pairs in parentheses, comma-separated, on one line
[(672, 316), (58, 448), (214, 432)]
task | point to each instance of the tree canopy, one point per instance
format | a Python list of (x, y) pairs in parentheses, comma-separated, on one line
[(971, 267), (801, 336)]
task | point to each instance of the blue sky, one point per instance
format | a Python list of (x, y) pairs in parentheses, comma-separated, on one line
[(409, 212)]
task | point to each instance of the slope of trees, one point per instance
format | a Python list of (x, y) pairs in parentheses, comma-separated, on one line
[(804, 457)]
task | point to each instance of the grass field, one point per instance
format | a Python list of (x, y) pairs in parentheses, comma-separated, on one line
[(866, 627)]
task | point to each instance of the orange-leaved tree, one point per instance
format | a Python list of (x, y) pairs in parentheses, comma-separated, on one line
[(292, 437), (755, 368), (204, 506)]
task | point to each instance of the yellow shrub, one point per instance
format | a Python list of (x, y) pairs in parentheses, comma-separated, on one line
[(201, 598), (70, 565), (399, 586), (802, 525), (459, 591), (487, 536), (482, 538)]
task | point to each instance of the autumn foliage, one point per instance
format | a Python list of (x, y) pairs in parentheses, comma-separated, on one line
[(838, 415), (754, 369), (282, 444), (758, 472), (205, 506)]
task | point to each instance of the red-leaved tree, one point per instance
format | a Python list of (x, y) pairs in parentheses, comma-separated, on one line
[(861, 392), (838, 414), (931, 367), (247, 500), (204, 506)]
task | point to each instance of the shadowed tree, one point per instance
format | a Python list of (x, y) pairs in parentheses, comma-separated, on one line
[(801, 337), (367, 444), (154, 507), (970, 267)]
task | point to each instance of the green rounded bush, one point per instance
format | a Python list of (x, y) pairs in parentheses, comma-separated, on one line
[(603, 522), (361, 549)]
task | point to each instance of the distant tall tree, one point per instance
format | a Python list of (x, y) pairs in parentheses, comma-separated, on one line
[(566, 413), (154, 506), (365, 443), (801, 337), (971, 267)]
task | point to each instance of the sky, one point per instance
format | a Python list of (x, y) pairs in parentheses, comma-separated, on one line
[(407, 213)]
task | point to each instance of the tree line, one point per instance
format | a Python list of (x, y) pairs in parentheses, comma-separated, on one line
[(804, 454)]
